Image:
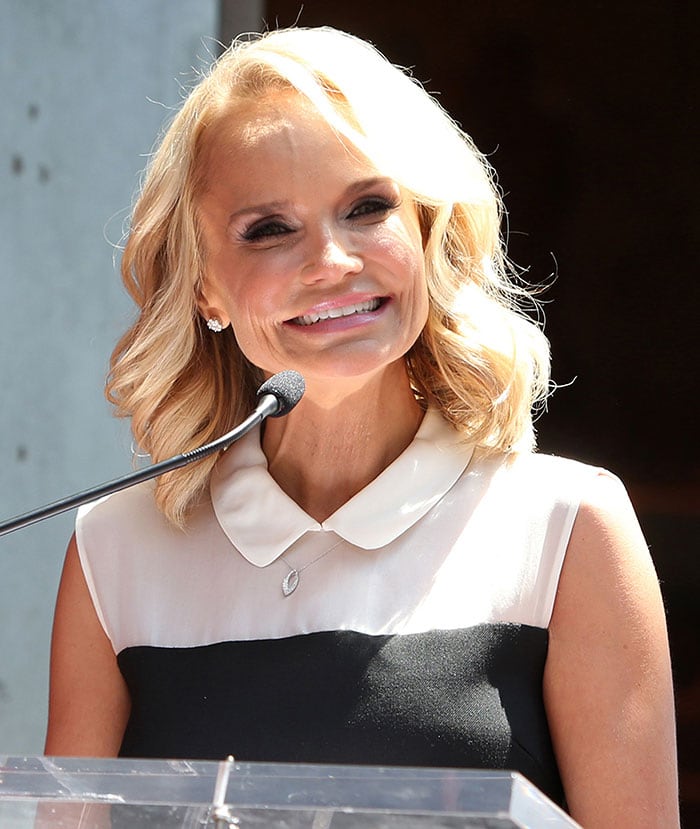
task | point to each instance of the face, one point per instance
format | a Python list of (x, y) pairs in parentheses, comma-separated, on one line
[(312, 255)]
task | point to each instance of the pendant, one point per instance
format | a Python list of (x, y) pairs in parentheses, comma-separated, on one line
[(290, 582)]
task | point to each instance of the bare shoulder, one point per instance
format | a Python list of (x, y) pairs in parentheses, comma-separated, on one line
[(608, 686), (609, 590), (88, 700)]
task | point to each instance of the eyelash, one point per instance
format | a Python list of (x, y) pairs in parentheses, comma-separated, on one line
[(266, 229), (376, 204), (269, 228)]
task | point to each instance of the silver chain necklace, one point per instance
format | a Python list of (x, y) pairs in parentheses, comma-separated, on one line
[(291, 581)]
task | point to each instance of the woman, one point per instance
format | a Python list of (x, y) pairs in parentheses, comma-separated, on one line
[(389, 574)]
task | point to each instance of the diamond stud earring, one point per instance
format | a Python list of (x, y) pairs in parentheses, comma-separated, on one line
[(213, 324)]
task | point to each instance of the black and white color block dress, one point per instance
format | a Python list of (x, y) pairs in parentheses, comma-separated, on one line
[(417, 633)]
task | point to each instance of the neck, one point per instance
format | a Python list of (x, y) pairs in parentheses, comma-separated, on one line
[(338, 440)]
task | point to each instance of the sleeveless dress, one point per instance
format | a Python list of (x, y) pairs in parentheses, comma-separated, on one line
[(417, 633)]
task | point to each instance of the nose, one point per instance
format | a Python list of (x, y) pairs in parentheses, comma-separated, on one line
[(330, 257)]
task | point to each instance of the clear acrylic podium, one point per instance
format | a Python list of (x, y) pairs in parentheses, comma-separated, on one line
[(55, 793)]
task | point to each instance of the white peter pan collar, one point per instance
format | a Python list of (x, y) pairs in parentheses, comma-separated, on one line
[(262, 521)]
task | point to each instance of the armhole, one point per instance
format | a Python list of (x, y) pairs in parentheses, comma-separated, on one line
[(568, 497), (81, 544)]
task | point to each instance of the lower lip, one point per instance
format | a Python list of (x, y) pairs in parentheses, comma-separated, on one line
[(335, 324)]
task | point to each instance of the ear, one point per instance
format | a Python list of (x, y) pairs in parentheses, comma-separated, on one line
[(210, 304)]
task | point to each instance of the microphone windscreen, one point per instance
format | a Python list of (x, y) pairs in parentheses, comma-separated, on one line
[(287, 386)]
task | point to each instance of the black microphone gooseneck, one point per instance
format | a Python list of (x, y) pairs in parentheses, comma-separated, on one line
[(276, 397)]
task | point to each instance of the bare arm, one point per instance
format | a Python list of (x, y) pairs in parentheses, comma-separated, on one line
[(88, 699), (607, 686)]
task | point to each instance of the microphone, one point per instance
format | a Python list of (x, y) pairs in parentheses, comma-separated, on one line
[(287, 387), (276, 397)]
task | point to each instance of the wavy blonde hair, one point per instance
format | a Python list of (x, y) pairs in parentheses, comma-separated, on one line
[(480, 359)]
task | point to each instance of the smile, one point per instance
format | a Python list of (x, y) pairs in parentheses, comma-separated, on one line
[(334, 313)]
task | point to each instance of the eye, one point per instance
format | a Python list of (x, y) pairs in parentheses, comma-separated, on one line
[(376, 206), (266, 229)]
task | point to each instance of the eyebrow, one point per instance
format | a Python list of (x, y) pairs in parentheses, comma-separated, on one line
[(257, 209), (367, 183), (275, 206)]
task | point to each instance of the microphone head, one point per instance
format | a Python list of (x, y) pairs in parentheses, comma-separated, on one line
[(287, 386)]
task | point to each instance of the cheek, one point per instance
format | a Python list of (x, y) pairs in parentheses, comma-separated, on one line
[(408, 263), (242, 295), (251, 304), (422, 302), (401, 246), (416, 284)]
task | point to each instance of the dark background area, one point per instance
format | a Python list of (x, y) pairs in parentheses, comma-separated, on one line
[(588, 113)]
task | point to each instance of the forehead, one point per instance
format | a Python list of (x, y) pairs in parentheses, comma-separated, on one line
[(278, 131), (257, 122)]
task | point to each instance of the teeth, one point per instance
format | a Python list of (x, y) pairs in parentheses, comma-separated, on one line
[(334, 313)]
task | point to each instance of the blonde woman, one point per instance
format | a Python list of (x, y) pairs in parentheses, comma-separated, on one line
[(389, 574)]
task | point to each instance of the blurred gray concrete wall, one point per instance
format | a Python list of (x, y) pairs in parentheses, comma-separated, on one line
[(84, 88)]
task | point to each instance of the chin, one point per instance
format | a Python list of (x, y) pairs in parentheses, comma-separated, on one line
[(357, 368)]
